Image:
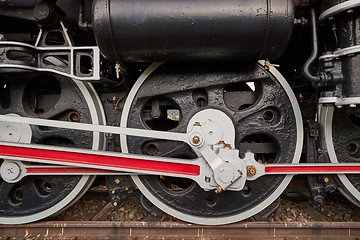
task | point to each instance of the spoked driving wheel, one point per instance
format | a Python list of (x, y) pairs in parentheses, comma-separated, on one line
[(341, 138), (259, 103), (46, 96)]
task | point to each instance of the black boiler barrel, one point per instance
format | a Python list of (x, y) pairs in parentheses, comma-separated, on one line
[(192, 30)]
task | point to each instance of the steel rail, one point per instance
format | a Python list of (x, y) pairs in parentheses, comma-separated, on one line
[(166, 230)]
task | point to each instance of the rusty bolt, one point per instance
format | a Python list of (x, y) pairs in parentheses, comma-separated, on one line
[(117, 181), (218, 190), (326, 180), (196, 139), (197, 124), (221, 142), (251, 170), (74, 117), (228, 146), (301, 97), (108, 135)]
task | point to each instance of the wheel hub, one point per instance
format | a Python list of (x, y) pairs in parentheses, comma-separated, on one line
[(10, 171), (15, 132)]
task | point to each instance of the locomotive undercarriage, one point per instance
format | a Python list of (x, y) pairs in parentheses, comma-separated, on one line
[(209, 142)]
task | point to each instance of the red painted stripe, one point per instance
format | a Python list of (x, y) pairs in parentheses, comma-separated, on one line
[(311, 169), (108, 161), (65, 170)]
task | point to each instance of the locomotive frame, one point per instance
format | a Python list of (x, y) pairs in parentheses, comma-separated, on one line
[(172, 98)]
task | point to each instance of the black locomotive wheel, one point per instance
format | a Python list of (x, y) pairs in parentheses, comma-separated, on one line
[(266, 119), (342, 139), (53, 97)]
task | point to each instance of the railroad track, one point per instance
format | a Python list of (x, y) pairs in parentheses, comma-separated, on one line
[(148, 230), (97, 225)]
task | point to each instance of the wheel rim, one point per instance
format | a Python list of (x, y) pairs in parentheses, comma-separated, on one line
[(337, 125), (238, 205), (50, 97)]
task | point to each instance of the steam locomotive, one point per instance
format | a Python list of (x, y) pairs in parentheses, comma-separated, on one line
[(208, 107)]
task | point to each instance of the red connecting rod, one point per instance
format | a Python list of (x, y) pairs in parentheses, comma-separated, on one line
[(87, 161), (98, 162)]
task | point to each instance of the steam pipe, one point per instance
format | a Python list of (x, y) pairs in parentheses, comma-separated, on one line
[(314, 52)]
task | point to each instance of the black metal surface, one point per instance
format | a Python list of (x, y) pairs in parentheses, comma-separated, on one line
[(346, 138), (172, 30), (319, 185), (42, 96), (269, 119), (19, 3), (346, 33), (42, 12), (349, 36)]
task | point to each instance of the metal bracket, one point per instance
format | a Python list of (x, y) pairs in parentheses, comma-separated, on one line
[(338, 8), (80, 63), (119, 188), (341, 53), (339, 102)]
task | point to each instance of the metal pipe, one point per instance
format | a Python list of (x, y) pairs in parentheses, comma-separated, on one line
[(314, 52)]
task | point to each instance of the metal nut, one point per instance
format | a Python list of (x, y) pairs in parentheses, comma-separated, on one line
[(117, 181), (251, 170), (196, 139), (114, 98), (218, 190), (74, 117)]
